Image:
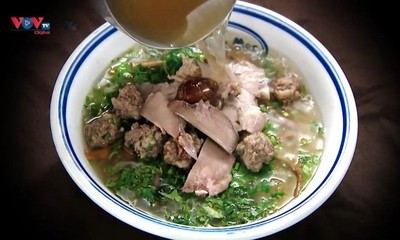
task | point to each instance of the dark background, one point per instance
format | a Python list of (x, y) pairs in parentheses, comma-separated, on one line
[(41, 200)]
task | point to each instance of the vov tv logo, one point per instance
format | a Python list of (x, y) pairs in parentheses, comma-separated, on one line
[(34, 24)]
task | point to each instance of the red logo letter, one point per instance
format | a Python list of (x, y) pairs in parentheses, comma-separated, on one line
[(17, 22), (36, 21)]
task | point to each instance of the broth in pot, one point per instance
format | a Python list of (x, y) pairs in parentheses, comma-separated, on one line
[(167, 24)]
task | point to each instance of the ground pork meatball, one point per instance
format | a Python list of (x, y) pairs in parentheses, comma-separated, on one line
[(286, 90), (254, 150), (128, 103), (145, 140), (174, 154), (102, 131)]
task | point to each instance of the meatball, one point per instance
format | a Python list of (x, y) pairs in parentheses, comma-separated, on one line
[(145, 140), (102, 131), (254, 150), (174, 154), (128, 103), (286, 90)]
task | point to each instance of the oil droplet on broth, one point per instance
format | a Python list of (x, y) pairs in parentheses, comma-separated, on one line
[(172, 23)]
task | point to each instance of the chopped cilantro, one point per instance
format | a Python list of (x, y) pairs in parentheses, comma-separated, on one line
[(99, 101), (264, 108), (122, 73), (270, 131), (308, 162)]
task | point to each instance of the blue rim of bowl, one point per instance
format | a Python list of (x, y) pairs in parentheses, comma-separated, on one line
[(253, 12), (256, 36)]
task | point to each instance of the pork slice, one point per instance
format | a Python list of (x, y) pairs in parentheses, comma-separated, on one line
[(169, 90), (251, 78), (211, 174), (210, 120), (252, 119), (156, 110), (250, 116), (231, 111), (185, 140), (244, 113)]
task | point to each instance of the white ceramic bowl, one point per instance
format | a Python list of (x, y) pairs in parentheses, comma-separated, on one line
[(323, 77)]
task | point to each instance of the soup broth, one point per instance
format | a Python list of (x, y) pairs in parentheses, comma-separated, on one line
[(137, 170)]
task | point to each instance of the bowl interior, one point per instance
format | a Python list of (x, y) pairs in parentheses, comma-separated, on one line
[(258, 26)]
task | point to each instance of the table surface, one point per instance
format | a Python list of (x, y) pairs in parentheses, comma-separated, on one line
[(43, 201)]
